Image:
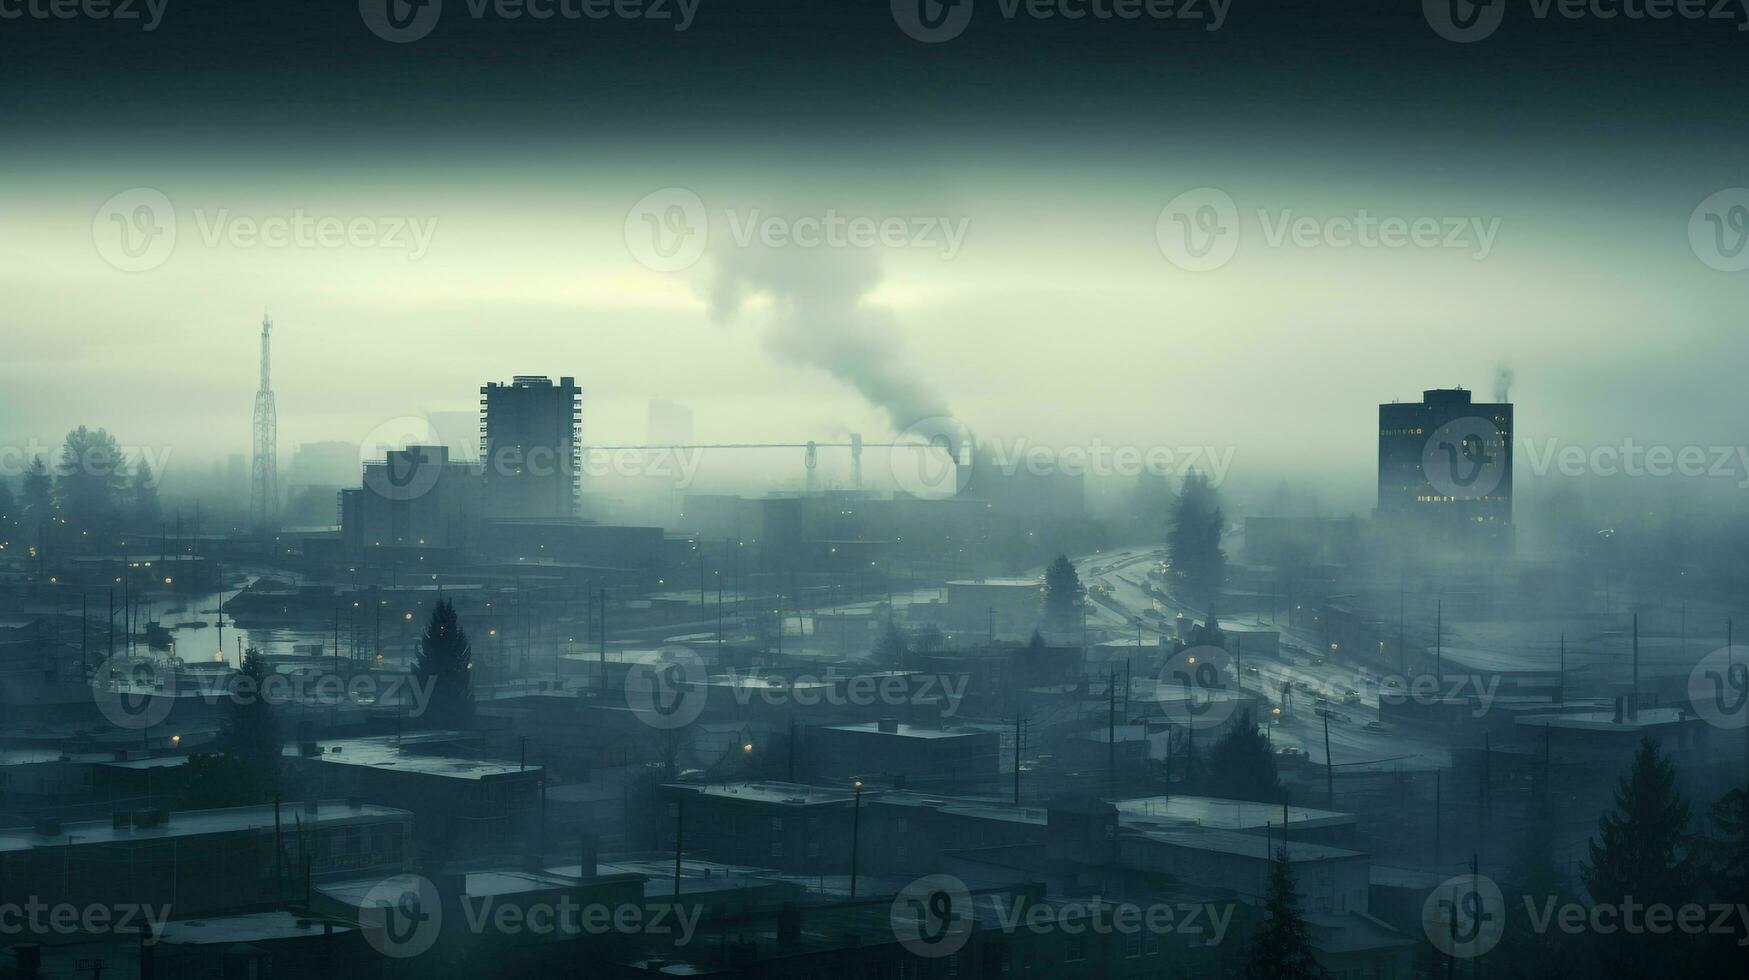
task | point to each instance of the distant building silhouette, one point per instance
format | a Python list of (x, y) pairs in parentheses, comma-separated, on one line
[(1445, 470), (529, 444)]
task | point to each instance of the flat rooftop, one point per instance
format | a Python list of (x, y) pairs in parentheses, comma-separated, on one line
[(1219, 814), (971, 809), (903, 730), (787, 794), (1255, 846), (256, 927), (491, 882), (385, 752), (197, 823), (1605, 721)]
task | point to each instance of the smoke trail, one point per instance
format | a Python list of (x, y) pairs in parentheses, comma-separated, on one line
[(1504, 376), (821, 317)]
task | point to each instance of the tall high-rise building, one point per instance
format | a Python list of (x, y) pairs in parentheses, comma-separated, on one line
[(1445, 469), (529, 445), (668, 423), (264, 465)]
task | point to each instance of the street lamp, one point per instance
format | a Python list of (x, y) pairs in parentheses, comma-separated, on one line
[(855, 826)]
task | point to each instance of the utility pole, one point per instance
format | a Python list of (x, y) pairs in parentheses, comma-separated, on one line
[(1436, 808), (1634, 695), (1016, 760), (679, 811), (84, 647), (855, 828), (1439, 643), (1329, 766), (1111, 729), (1561, 679)]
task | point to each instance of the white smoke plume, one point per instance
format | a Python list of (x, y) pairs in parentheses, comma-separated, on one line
[(821, 316)]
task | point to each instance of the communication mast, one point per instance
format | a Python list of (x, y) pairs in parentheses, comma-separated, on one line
[(264, 469)]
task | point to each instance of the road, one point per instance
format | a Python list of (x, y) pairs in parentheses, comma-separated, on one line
[(1116, 580)]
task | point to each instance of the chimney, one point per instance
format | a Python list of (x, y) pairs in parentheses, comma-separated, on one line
[(312, 807), (888, 726), (1618, 709)]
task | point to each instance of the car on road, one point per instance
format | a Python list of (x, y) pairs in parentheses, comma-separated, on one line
[(1377, 727)]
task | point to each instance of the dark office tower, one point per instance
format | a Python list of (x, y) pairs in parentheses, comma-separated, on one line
[(1445, 471), (529, 444)]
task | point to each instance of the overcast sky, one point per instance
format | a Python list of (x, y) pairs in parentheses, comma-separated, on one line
[(490, 177)]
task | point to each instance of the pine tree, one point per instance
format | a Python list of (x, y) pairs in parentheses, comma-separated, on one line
[(892, 648), (8, 514), (143, 505), (1728, 849), (1525, 952), (91, 479), (1194, 541), (1282, 948), (1727, 874), (249, 734), (1641, 852), (446, 662), (1063, 594), (1241, 766), (37, 504)]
